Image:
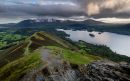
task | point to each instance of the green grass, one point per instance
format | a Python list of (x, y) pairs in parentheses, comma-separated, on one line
[(14, 70), (8, 38), (40, 39), (54, 38), (73, 56), (102, 51)]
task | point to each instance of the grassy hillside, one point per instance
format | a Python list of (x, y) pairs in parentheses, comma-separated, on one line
[(74, 57), (16, 69), (12, 53), (18, 60), (7, 38), (102, 51), (32, 43), (44, 39)]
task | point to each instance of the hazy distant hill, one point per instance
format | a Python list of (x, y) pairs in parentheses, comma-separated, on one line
[(32, 23), (88, 24)]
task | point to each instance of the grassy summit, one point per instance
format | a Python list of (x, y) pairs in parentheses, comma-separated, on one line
[(17, 60), (32, 43)]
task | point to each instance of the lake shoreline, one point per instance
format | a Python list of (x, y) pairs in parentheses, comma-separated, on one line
[(117, 43)]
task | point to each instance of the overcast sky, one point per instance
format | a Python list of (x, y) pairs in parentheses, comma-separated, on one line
[(15, 10)]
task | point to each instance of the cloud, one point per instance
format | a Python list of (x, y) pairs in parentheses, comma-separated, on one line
[(65, 8), (93, 9), (114, 20), (52, 8), (108, 7)]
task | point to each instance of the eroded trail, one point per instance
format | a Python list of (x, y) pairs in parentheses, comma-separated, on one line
[(36, 74), (49, 58), (55, 69)]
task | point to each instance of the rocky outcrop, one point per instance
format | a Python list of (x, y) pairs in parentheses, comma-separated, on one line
[(107, 71), (96, 71)]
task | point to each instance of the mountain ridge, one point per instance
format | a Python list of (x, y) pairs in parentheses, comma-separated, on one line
[(33, 42), (47, 57), (31, 56), (36, 22)]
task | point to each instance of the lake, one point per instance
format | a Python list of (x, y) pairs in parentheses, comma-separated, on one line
[(3, 27), (117, 43)]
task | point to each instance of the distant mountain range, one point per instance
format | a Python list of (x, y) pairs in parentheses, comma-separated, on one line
[(37, 22), (89, 24)]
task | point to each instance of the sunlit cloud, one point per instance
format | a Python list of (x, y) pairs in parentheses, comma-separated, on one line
[(93, 9), (57, 3), (114, 20), (115, 6), (65, 8)]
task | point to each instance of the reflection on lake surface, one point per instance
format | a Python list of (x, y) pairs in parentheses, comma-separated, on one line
[(118, 43)]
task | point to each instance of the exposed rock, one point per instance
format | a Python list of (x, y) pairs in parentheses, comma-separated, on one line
[(96, 71), (108, 71)]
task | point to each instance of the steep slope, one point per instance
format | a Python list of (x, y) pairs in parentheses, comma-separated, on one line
[(16, 69), (41, 50), (96, 71), (44, 39), (51, 57), (12, 53), (45, 57), (35, 41)]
